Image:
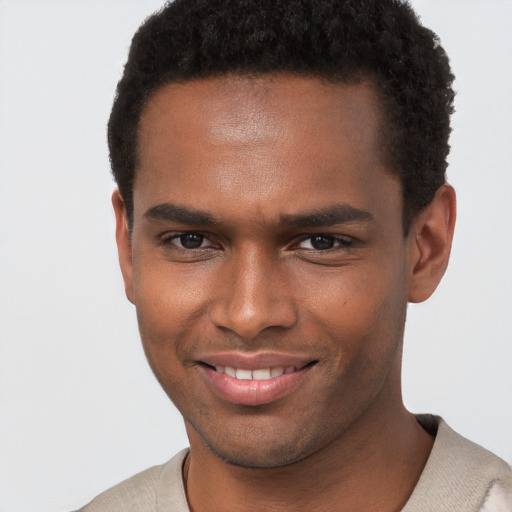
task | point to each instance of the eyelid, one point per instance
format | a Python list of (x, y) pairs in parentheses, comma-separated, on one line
[(341, 241), (169, 239)]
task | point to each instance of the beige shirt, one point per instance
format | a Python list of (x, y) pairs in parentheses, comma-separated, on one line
[(459, 476)]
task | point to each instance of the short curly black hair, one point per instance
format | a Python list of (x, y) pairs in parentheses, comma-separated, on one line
[(337, 40)]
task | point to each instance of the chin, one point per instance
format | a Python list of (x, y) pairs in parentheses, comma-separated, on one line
[(261, 448), (266, 459)]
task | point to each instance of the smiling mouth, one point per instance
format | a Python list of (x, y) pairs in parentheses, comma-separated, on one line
[(252, 383), (259, 373)]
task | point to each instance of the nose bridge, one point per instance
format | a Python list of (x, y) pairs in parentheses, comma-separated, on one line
[(254, 296)]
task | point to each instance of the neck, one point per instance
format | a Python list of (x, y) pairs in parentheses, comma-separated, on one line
[(373, 466)]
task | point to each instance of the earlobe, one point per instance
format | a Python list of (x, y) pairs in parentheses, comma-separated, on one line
[(430, 242), (124, 246)]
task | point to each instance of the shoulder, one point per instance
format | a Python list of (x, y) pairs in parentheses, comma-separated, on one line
[(140, 493), (459, 474), (467, 459)]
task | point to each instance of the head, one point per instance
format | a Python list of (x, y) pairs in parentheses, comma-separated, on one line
[(281, 199), (338, 41)]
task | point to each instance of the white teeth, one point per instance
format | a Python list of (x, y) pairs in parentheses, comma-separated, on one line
[(244, 374), (277, 372), (231, 372), (261, 374)]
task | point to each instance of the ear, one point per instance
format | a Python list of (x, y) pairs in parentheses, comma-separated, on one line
[(124, 245), (430, 243)]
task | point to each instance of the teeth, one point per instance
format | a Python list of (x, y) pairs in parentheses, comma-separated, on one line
[(259, 374), (276, 372), (244, 374), (231, 372)]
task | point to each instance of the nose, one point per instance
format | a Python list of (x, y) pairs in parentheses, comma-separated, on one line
[(253, 295)]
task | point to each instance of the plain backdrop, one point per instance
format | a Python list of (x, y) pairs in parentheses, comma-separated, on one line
[(79, 408)]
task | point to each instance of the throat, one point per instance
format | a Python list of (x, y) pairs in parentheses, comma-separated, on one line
[(375, 476)]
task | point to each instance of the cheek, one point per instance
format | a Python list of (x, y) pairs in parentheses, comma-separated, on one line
[(362, 322), (361, 310), (170, 296), (356, 293), (171, 307)]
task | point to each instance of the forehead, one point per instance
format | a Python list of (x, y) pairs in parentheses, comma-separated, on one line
[(259, 140)]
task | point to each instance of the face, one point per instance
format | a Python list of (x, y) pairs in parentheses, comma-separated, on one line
[(268, 263)]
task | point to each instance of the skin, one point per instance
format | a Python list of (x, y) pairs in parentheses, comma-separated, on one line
[(258, 156)]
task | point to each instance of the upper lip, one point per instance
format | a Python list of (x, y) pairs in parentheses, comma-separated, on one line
[(254, 361)]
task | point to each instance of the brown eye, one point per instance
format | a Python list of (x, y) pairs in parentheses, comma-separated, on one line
[(324, 242), (190, 240), (186, 241)]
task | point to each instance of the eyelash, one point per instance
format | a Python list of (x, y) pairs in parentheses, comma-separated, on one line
[(340, 242), (170, 240)]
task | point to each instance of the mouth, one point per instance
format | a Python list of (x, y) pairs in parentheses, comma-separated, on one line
[(255, 384), (258, 373)]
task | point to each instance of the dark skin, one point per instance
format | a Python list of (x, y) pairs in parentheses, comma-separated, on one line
[(267, 228)]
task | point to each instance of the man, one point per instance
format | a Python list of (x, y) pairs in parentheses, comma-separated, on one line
[(282, 196)]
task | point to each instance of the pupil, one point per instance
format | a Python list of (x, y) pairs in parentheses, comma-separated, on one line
[(322, 242), (191, 240)]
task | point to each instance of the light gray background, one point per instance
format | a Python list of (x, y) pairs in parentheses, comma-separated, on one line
[(79, 408)]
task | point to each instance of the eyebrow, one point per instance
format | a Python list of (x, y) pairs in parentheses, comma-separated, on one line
[(180, 214), (337, 214)]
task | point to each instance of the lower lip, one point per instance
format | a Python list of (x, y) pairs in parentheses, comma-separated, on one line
[(254, 392)]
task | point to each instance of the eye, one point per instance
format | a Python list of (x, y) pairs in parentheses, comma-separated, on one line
[(188, 241), (324, 242)]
